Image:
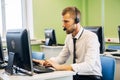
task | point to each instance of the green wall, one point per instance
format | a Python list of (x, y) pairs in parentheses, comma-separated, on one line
[(112, 17), (35, 47), (93, 13), (47, 14)]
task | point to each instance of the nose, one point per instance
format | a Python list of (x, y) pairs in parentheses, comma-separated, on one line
[(63, 25)]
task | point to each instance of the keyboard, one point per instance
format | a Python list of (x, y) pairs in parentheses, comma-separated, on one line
[(116, 54), (41, 69), (110, 50)]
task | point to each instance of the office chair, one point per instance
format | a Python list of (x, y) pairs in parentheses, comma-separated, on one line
[(108, 67), (38, 55)]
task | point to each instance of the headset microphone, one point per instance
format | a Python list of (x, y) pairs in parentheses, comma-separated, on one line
[(64, 29)]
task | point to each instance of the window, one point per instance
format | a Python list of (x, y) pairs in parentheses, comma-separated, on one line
[(0, 20), (15, 14)]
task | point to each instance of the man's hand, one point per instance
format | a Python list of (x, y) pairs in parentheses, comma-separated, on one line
[(47, 64), (39, 61), (60, 67), (43, 62), (50, 63)]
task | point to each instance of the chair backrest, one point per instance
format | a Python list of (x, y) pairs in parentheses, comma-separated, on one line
[(108, 67), (38, 55)]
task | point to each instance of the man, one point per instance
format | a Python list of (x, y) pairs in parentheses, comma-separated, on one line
[(84, 48)]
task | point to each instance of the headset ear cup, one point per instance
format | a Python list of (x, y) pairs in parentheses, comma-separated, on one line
[(77, 20)]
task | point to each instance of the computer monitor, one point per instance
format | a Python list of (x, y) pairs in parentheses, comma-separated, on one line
[(119, 33), (50, 38), (1, 52), (18, 42), (99, 32)]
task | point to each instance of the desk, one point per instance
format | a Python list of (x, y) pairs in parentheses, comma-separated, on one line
[(56, 75), (117, 73), (51, 51)]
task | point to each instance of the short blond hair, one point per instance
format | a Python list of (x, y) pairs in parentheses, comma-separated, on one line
[(73, 11)]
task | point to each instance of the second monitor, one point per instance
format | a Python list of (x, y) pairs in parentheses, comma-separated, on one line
[(119, 33), (98, 30), (50, 38)]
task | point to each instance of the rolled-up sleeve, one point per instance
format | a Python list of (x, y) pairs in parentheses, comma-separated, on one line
[(63, 55)]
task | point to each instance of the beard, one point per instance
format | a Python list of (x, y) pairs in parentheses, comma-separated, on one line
[(70, 29)]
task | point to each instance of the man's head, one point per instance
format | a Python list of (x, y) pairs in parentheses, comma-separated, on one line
[(70, 18)]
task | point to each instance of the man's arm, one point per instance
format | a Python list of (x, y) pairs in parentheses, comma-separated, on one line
[(50, 63), (60, 67)]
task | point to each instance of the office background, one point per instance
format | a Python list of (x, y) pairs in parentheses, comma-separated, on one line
[(47, 14)]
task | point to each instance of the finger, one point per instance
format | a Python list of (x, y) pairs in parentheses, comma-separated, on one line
[(47, 64), (35, 60), (39, 61), (54, 64)]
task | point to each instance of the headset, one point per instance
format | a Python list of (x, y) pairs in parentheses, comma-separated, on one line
[(76, 19)]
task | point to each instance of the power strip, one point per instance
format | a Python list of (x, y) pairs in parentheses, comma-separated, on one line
[(112, 40)]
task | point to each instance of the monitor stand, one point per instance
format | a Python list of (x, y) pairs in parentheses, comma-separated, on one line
[(10, 69)]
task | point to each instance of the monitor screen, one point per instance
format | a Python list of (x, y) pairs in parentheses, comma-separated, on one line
[(18, 42), (50, 38), (99, 32), (1, 52), (119, 33)]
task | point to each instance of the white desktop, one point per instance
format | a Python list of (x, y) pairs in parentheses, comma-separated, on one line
[(51, 51), (56, 75)]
